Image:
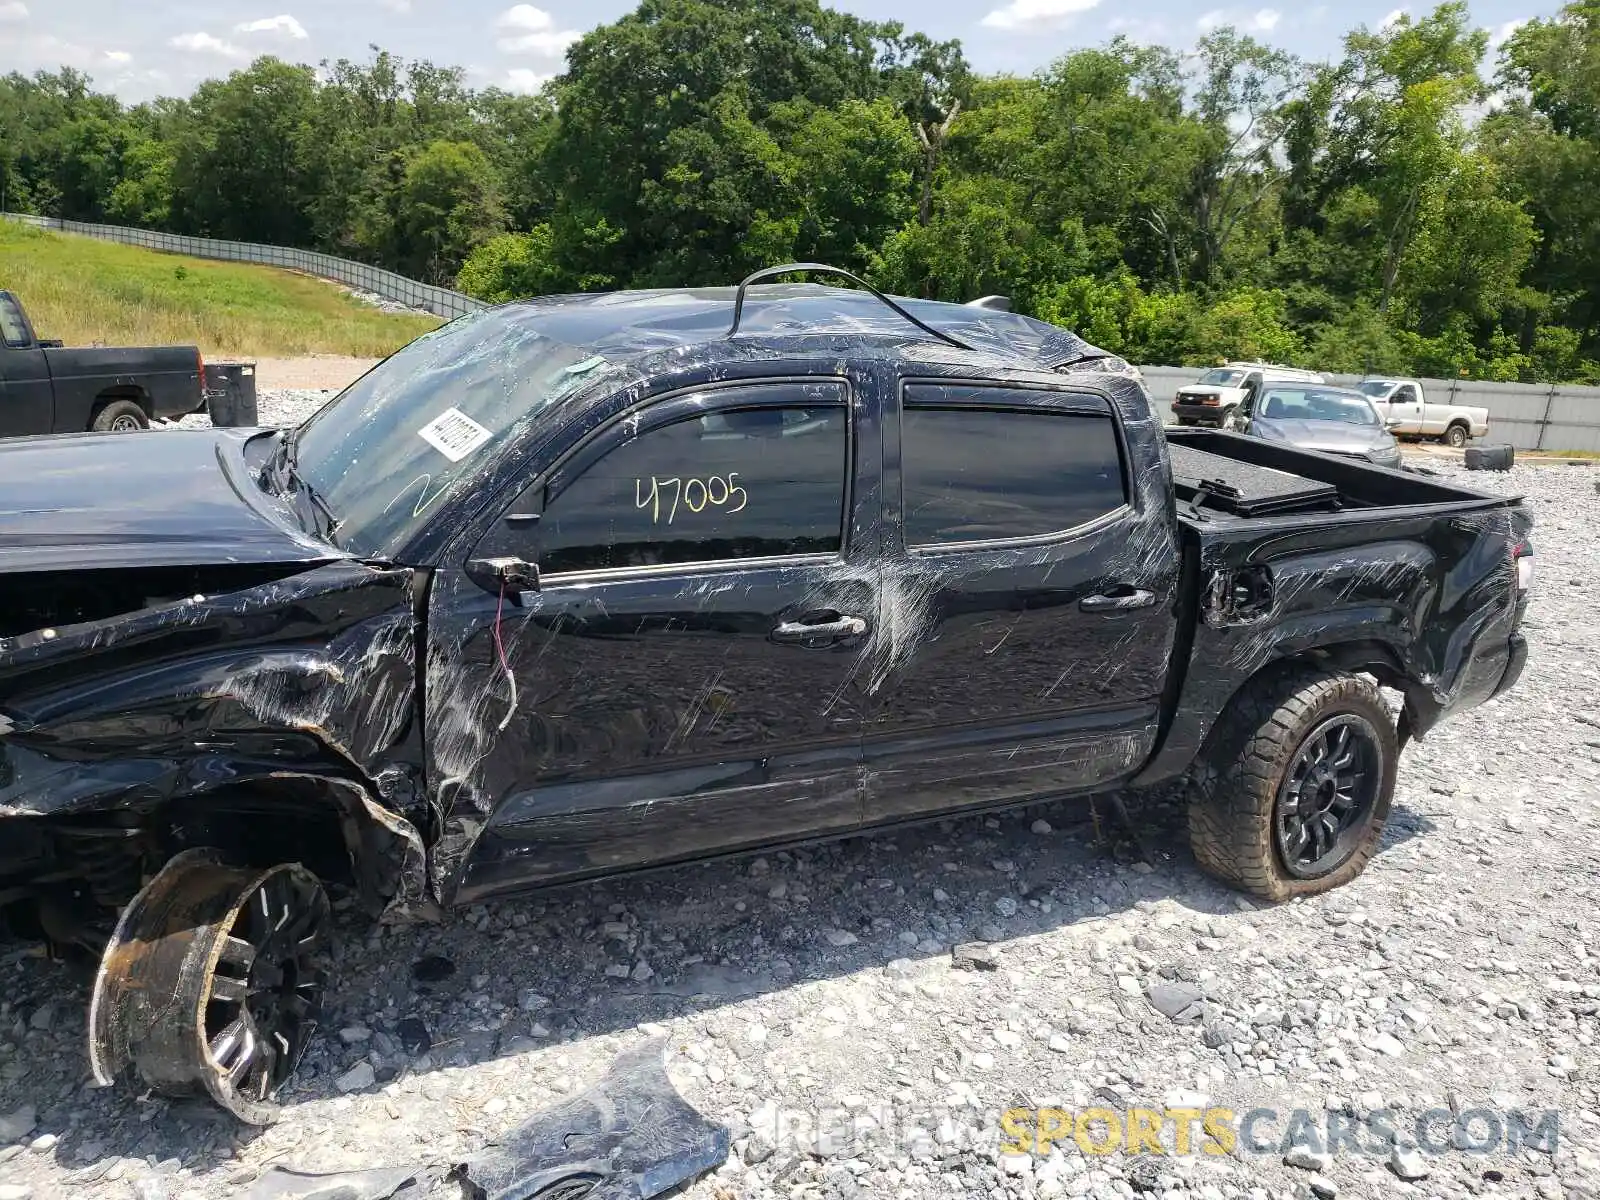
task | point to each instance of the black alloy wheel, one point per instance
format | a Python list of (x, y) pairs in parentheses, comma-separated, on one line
[(1327, 796)]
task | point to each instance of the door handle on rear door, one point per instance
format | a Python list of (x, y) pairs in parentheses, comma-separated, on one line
[(1121, 599), (822, 630)]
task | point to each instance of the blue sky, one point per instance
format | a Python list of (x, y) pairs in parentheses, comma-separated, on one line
[(165, 46)]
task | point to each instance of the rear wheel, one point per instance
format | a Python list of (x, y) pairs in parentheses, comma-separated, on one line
[(213, 982), (1295, 784), (120, 416), (1456, 436)]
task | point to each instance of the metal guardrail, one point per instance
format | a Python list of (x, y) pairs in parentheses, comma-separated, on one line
[(1529, 416), (391, 286)]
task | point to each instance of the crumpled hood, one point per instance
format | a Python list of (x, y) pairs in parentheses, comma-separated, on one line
[(167, 498), (1334, 437)]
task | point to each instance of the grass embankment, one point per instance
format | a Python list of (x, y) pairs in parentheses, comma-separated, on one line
[(84, 291)]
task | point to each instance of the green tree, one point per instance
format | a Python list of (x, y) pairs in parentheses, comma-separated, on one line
[(241, 166), (447, 203)]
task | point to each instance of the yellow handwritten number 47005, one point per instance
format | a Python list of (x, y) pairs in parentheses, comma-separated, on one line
[(696, 495)]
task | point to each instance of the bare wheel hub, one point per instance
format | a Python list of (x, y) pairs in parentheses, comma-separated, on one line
[(213, 982)]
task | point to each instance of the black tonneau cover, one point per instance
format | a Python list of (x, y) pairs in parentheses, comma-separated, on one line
[(1245, 489)]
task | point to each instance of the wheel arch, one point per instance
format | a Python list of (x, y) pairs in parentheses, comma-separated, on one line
[(121, 391), (308, 817), (1202, 703)]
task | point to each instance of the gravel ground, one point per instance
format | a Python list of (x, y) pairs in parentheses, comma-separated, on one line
[(814, 1003)]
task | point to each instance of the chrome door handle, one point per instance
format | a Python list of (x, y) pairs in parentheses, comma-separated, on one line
[(1126, 601), (835, 630)]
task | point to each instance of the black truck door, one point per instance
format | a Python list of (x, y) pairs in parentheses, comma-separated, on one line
[(1036, 600), (27, 404), (684, 679)]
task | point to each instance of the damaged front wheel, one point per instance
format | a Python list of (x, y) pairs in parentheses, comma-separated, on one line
[(213, 982)]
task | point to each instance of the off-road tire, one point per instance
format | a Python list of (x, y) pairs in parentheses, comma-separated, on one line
[(1234, 792), (118, 415)]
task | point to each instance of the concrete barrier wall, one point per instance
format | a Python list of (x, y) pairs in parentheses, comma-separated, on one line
[(1529, 416)]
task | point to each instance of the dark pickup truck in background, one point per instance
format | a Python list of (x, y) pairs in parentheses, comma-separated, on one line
[(592, 584), (48, 388)]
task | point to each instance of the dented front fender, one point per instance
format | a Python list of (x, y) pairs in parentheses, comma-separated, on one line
[(308, 676)]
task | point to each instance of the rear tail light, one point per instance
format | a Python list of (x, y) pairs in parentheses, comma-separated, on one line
[(1522, 555), (200, 367)]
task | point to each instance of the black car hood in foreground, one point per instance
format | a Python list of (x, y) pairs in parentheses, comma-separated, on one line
[(183, 497)]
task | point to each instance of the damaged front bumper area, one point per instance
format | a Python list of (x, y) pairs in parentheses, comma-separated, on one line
[(629, 1137)]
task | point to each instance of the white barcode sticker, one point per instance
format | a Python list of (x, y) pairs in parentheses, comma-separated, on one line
[(454, 434)]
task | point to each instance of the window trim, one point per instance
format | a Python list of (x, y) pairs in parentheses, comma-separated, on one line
[(640, 413), (1130, 493)]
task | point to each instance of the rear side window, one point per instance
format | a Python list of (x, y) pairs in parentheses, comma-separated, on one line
[(762, 481), (988, 463)]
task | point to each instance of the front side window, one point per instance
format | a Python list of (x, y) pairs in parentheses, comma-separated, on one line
[(762, 481), (1406, 395), (981, 464), (13, 329)]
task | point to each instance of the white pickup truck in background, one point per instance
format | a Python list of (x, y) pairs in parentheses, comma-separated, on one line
[(1404, 401)]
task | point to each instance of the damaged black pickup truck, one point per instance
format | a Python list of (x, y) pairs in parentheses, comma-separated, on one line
[(588, 584)]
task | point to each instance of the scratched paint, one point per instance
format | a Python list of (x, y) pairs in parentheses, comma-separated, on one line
[(325, 666)]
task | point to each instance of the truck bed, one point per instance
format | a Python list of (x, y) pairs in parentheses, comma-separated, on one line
[(1288, 551), (1277, 480)]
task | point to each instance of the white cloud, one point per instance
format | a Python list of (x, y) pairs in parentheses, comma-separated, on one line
[(1036, 14), (283, 23), (521, 79), (204, 43), (13, 10), (1503, 34), (1263, 20), (1393, 17), (525, 16), (119, 57), (547, 45), (530, 30)]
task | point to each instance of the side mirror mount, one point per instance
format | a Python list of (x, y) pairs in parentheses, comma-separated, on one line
[(504, 574), (1392, 422)]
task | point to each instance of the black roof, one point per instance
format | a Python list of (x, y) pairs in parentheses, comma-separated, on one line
[(622, 326)]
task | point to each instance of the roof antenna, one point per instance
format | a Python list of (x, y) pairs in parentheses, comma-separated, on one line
[(823, 268)]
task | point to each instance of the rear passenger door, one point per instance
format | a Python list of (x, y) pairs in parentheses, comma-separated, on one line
[(1029, 617)]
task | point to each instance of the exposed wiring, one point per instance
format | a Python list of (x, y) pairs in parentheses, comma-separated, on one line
[(500, 652)]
